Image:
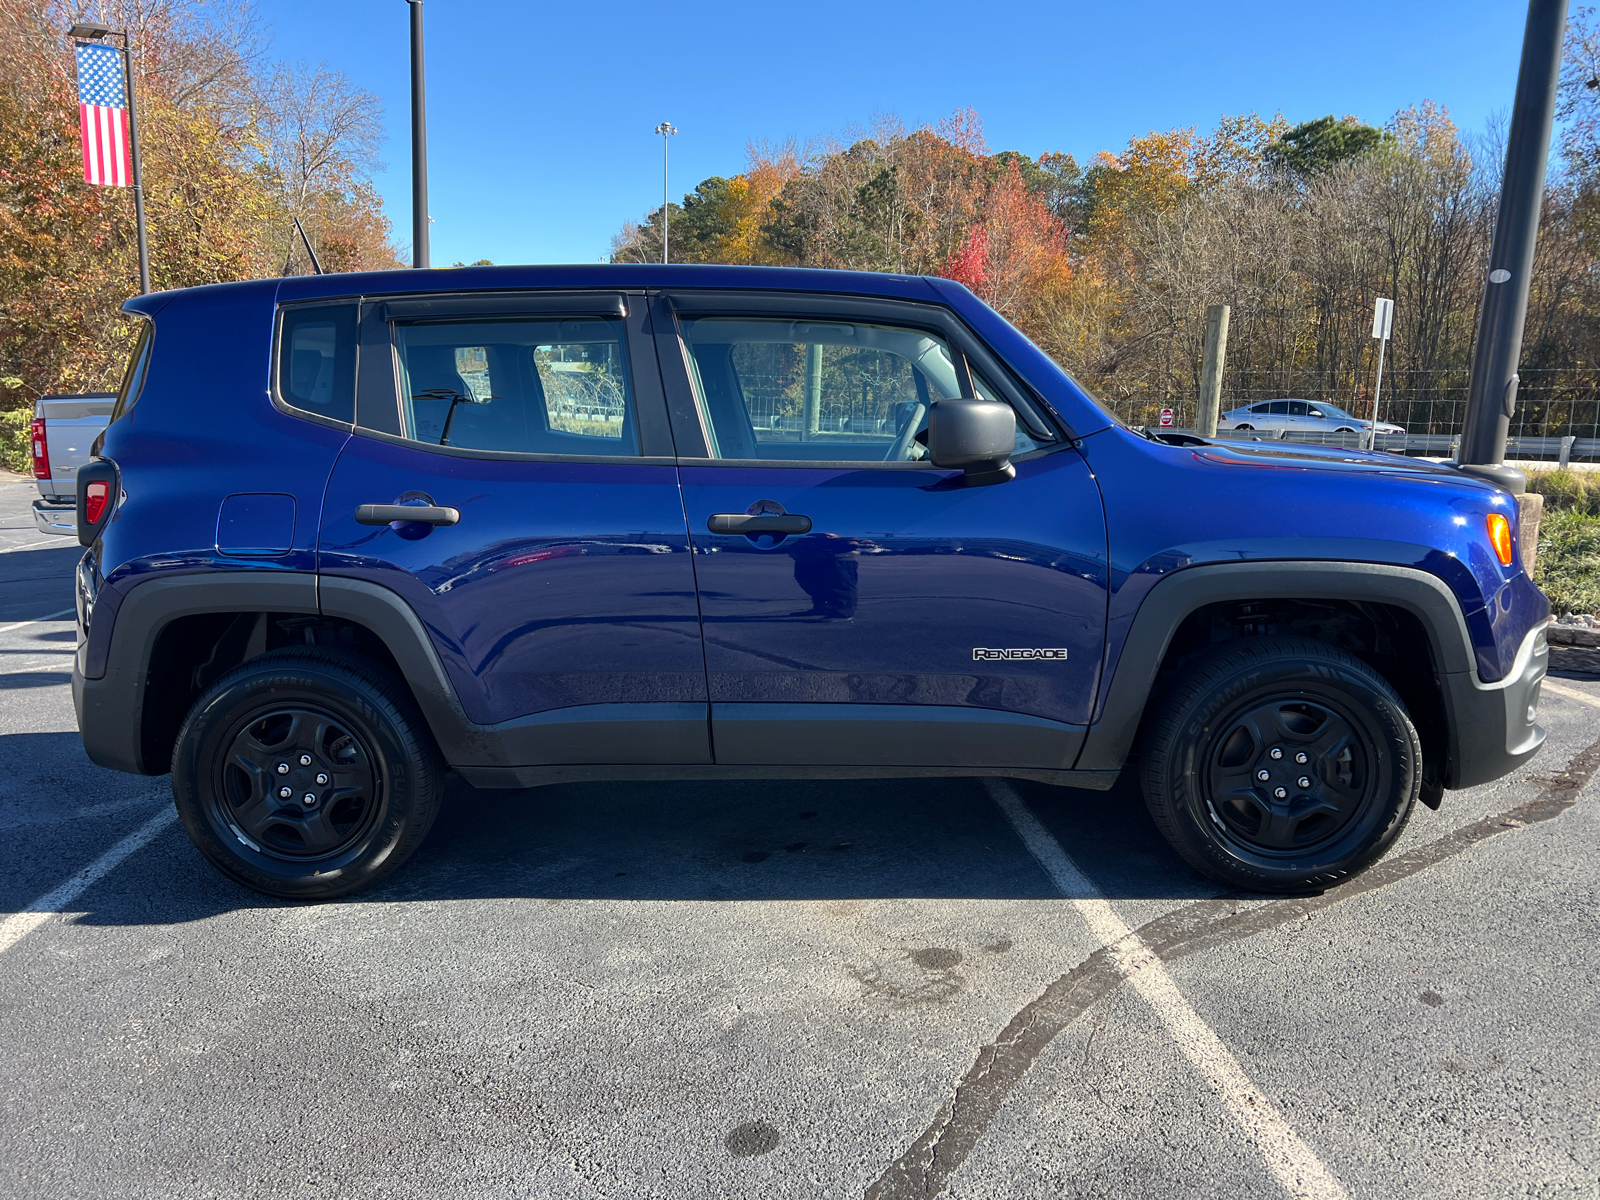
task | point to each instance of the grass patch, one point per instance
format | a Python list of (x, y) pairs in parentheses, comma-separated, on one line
[(1569, 540)]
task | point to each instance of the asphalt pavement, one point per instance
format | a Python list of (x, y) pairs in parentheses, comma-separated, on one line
[(886, 989)]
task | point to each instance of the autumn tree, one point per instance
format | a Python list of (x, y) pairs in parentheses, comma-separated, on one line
[(230, 151)]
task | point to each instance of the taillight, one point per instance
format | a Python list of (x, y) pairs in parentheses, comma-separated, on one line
[(1500, 537), (41, 451), (95, 496)]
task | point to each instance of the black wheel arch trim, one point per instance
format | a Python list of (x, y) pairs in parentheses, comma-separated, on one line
[(110, 705), (1488, 734)]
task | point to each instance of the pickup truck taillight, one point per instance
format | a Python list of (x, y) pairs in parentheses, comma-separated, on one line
[(41, 450)]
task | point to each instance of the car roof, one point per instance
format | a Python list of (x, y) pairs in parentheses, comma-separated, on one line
[(584, 275)]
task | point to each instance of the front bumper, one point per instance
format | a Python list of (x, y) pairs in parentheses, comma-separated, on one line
[(56, 516), (1494, 727)]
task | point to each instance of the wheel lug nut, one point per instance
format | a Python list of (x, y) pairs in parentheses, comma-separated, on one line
[(1275, 753), (1279, 793), (305, 760), (1302, 783), (285, 792), (322, 781), (1301, 758), (1263, 775), (309, 799), (283, 768)]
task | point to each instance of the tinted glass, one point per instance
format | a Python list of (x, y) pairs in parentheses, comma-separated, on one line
[(771, 388), (133, 376), (317, 360), (1279, 408), (1298, 408), (1262, 409), (528, 385)]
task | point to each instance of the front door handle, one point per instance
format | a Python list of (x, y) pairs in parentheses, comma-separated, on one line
[(424, 514), (758, 523)]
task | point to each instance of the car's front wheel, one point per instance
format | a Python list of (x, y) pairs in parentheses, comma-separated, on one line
[(306, 774), (1244, 426), (1280, 765)]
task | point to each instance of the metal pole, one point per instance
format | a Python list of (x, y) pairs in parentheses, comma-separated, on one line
[(1205, 424), (1492, 390), (666, 129), (138, 178), (419, 144), (1377, 390)]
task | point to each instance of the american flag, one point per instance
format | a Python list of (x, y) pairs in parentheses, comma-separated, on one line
[(103, 115)]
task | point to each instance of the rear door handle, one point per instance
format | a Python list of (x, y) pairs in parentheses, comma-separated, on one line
[(425, 514), (758, 523)]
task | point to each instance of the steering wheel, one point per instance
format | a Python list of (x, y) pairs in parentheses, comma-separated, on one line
[(901, 450)]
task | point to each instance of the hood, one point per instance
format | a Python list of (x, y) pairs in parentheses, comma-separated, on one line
[(1298, 455)]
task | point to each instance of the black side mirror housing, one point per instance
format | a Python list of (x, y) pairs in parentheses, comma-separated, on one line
[(975, 435)]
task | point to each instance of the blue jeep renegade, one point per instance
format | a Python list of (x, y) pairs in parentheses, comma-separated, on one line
[(348, 533)]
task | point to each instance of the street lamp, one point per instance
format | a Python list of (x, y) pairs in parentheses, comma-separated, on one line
[(86, 31), (419, 145), (666, 129)]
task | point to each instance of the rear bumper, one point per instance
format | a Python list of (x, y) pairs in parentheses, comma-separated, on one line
[(1494, 727), (56, 516)]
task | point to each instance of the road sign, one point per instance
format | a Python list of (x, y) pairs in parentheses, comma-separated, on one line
[(1382, 318), (1166, 418), (1382, 323)]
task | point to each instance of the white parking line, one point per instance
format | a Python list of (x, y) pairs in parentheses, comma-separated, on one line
[(65, 612), (55, 541), (1293, 1163), (19, 925), (1550, 685)]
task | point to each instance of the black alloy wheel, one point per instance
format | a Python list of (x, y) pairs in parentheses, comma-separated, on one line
[(1286, 775), (296, 783), (306, 773), (1280, 764)]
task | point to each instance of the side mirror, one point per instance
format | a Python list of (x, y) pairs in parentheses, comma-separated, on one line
[(975, 435)]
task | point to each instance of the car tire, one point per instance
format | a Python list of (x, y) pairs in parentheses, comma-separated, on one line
[(1344, 429), (1303, 713), (342, 737), (1251, 427)]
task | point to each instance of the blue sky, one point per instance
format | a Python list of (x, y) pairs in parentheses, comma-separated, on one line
[(540, 115)]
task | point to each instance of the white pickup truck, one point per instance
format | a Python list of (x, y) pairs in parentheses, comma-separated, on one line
[(64, 427)]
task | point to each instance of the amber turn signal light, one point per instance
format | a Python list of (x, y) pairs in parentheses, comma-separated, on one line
[(1500, 536)]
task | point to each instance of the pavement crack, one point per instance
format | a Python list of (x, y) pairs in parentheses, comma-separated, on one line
[(926, 1166)]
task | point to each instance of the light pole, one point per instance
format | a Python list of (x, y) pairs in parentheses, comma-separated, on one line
[(419, 144), (88, 32), (1492, 386), (666, 129)]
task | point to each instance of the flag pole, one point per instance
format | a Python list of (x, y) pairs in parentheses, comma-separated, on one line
[(92, 32), (138, 179)]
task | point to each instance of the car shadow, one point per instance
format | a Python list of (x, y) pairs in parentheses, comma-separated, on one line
[(713, 841)]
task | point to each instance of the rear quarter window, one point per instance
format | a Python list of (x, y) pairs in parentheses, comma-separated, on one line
[(138, 367), (316, 367)]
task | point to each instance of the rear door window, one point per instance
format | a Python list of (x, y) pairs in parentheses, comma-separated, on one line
[(523, 385)]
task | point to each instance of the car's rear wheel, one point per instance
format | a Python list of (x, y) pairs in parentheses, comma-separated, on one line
[(1280, 765), (306, 774), (1244, 426)]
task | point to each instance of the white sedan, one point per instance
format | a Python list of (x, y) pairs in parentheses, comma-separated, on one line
[(1299, 416)]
